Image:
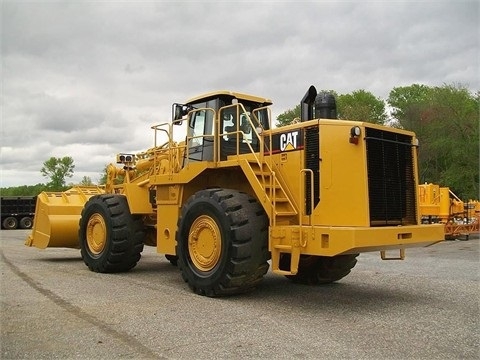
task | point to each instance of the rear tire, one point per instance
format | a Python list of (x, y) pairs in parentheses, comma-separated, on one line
[(222, 242), (26, 222), (316, 270), (111, 239), (10, 223)]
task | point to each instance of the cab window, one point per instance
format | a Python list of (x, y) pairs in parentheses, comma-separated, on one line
[(197, 125)]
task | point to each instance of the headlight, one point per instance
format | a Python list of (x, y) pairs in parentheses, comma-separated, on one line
[(125, 158), (355, 132)]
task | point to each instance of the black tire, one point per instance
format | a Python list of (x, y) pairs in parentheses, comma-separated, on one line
[(317, 270), (10, 223), (26, 222), (222, 242), (111, 239)]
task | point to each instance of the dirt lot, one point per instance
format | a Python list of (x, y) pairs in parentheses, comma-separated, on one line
[(53, 307)]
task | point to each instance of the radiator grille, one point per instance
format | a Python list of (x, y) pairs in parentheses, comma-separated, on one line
[(391, 182)]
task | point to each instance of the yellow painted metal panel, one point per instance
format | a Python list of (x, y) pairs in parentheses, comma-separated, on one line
[(240, 96), (57, 217), (330, 241), (138, 198), (168, 210)]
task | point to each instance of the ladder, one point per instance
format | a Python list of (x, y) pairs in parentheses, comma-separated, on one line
[(279, 204)]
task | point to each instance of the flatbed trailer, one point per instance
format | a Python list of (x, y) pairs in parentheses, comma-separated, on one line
[(17, 211)]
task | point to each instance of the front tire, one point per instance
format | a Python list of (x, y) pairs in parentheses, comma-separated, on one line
[(222, 242), (317, 270), (111, 239)]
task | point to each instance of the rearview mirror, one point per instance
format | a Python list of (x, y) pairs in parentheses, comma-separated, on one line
[(179, 111)]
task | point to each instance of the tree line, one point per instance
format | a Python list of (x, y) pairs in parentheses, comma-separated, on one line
[(55, 169), (445, 119)]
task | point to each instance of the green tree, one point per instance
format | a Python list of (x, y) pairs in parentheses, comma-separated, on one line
[(103, 176), (86, 181), (361, 105), (288, 116), (407, 103), (57, 170), (445, 120), (23, 190)]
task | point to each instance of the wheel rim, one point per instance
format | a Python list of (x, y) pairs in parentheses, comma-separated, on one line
[(204, 243), (96, 234)]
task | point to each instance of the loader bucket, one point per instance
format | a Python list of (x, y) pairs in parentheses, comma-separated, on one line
[(57, 216)]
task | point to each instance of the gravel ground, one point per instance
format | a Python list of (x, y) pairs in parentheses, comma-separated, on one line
[(425, 307)]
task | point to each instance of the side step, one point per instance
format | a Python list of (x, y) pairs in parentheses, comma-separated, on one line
[(294, 259)]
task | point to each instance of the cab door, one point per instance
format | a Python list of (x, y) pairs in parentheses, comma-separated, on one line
[(200, 135), (236, 133)]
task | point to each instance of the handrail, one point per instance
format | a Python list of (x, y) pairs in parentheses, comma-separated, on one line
[(269, 128), (155, 150), (240, 135), (168, 131), (260, 158), (273, 198), (270, 160), (268, 167)]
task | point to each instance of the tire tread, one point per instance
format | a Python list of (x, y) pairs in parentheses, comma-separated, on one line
[(249, 246), (126, 235)]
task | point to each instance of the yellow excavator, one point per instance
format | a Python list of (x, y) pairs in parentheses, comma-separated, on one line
[(237, 196)]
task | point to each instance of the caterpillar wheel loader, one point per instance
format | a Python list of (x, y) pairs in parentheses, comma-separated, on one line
[(236, 196)]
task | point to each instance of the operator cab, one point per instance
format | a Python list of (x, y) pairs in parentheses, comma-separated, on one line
[(240, 118)]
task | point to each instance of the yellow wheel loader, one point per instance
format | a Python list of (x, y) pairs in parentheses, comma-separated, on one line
[(236, 196)]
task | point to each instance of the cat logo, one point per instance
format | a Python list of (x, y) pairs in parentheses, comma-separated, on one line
[(288, 141)]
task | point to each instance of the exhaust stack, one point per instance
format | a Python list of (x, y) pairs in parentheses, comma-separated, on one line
[(317, 105)]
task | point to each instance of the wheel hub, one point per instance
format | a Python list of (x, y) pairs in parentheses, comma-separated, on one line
[(204, 243), (96, 234)]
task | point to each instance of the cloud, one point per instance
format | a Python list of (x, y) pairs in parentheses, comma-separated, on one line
[(88, 79)]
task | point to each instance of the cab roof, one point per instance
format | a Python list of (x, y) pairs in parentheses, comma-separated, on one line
[(233, 94)]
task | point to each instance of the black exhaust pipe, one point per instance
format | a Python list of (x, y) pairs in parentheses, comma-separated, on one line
[(306, 104), (317, 106)]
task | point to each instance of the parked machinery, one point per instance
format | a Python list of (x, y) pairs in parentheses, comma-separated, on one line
[(17, 212), (440, 205), (238, 196)]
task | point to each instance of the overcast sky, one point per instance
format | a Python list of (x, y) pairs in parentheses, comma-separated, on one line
[(87, 79)]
